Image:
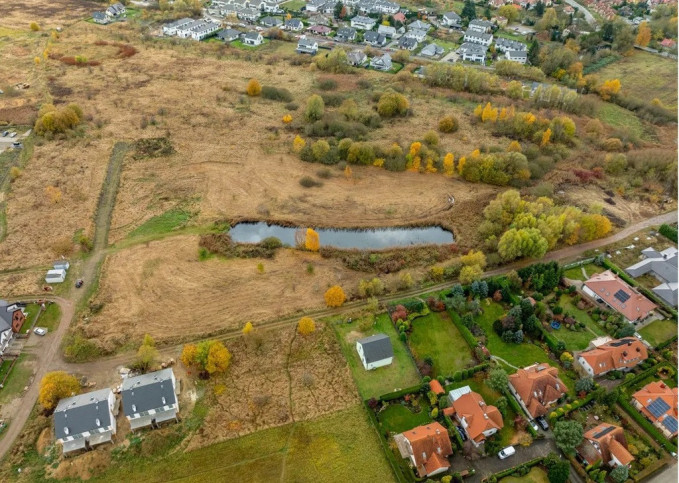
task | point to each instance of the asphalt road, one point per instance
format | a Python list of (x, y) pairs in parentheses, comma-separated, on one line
[(588, 16)]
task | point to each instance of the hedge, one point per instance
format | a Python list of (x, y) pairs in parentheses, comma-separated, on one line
[(399, 394), (517, 409), (575, 405), (512, 470), (454, 432), (668, 231), (666, 343), (645, 423), (465, 374), (551, 341), (623, 275), (396, 466), (646, 373), (466, 334)]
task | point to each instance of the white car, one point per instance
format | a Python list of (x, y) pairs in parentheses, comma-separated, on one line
[(533, 424), (40, 331), (506, 453)]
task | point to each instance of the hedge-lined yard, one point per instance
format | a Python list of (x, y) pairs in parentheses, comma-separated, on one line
[(659, 331)]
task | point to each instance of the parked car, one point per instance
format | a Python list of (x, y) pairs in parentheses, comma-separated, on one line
[(543, 424), (506, 453), (5, 134), (463, 435), (17, 145), (533, 424), (13, 134), (40, 331), (79, 283)]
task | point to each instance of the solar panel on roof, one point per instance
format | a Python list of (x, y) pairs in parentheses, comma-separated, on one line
[(658, 407), (670, 423), (604, 432), (622, 296)]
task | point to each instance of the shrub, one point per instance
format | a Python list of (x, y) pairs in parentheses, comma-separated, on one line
[(449, 124), (431, 138), (34, 26), (668, 232), (392, 104), (254, 88), (57, 120), (327, 84), (309, 182), (276, 94), (306, 326), (334, 296), (315, 108)]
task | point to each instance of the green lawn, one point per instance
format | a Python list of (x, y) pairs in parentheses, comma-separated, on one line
[(434, 335), (618, 117), (293, 5), (658, 331), (17, 380), (398, 418), (575, 273), (332, 448), (399, 374), (50, 317), (577, 339), (535, 475), (169, 221)]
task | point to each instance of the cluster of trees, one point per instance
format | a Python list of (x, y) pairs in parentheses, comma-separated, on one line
[(519, 320), (209, 357), (55, 120), (494, 168), (463, 79), (542, 277), (518, 228), (370, 288), (655, 169)]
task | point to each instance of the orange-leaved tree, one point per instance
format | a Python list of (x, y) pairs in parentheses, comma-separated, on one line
[(334, 296), (312, 241), (643, 34), (209, 357), (306, 325), (55, 386)]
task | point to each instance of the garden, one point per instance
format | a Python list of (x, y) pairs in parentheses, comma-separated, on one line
[(399, 374), (659, 331)]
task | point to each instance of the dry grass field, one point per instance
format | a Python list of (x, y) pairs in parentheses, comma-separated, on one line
[(164, 290), (274, 379)]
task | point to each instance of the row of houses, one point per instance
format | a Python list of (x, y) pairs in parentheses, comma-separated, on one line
[(86, 420), (190, 28)]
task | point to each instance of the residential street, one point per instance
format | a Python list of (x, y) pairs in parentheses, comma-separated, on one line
[(588, 16), (667, 475)]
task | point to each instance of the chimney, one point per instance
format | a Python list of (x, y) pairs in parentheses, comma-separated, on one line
[(485, 416)]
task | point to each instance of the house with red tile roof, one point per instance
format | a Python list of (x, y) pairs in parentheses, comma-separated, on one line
[(608, 288), (427, 447), (605, 442), (436, 387), (658, 403), (537, 388), (478, 419), (618, 354)]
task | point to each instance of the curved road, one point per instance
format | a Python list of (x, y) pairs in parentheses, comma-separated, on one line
[(581, 8), (50, 358)]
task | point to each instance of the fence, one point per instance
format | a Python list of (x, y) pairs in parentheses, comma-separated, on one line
[(579, 263)]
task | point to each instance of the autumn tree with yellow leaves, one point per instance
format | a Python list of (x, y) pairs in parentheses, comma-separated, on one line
[(306, 326), (298, 144), (334, 296), (209, 357), (643, 34), (254, 88), (449, 164), (609, 88), (57, 385), (312, 241)]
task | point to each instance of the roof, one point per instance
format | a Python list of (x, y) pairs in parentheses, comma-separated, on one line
[(658, 403), (471, 48), (480, 35), (431, 49), (376, 348), (481, 23), (620, 296), (346, 32), (455, 394), (436, 386), (252, 35), (293, 21), (516, 54), (479, 416), (307, 43), (452, 16), (148, 391), (616, 354), (356, 56), (663, 265), (419, 25), (538, 385), (228, 34), (7, 315), (430, 447), (79, 414), (512, 44), (609, 440), (407, 42)]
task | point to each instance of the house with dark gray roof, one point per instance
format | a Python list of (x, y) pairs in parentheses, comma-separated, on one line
[(86, 420), (375, 39), (663, 266), (431, 50), (520, 56), (100, 17), (375, 351), (383, 63), (293, 24), (452, 20), (150, 399), (356, 57), (407, 43), (307, 46), (253, 38), (503, 45), (271, 22), (345, 34), (228, 35)]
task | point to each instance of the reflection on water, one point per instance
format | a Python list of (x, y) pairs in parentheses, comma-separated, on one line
[(345, 238)]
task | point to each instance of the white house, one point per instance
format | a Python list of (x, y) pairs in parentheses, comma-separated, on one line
[(382, 63), (472, 52), (184, 31), (253, 38), (205, 30), (294, 25), (375, 351), (417, 34), (356, 57), (363, 23), (307, 46), (86, 420), (100, 18), (478, 38), (517, 56), (386, 30), (116, 10), (150, 399), (452, 20), (481, 26), (171, 28), (503, 45)]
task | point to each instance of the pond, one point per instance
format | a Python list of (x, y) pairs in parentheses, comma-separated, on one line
[(374, 239)]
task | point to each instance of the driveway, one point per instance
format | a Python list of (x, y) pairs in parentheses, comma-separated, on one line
[(492, 464), (668, 475)]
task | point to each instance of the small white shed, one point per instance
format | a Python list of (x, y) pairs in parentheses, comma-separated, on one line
[(61, 265), (55, 276)]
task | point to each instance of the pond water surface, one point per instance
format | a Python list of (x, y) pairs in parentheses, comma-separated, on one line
[(375, 239)]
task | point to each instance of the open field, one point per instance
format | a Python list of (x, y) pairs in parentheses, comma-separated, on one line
[(48, 15), (659, 331), (645, 76), (435, 336), (399, 374), (274, 379)]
